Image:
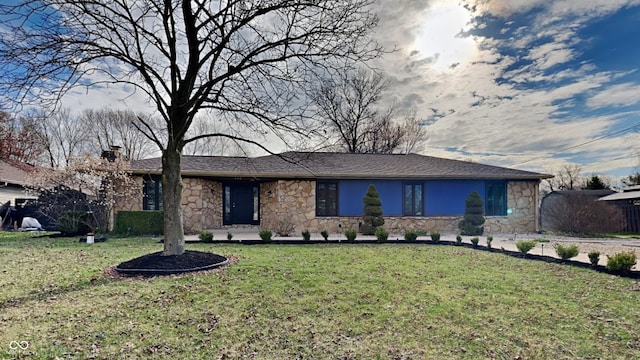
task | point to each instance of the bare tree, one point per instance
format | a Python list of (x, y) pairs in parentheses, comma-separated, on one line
[(109, 127), (62, 135), (211, 145), (414, 134), (19, 139), (580, 214), (245, 60), (349, 106), (567, 178)]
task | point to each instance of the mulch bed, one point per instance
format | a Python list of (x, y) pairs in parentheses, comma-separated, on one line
[(157, 264)]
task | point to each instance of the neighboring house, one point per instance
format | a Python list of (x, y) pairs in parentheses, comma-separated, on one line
[(13, 179), (629, 202), (324, 191)]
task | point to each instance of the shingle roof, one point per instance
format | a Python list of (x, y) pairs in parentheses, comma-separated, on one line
[(335, 165), (13, 172)]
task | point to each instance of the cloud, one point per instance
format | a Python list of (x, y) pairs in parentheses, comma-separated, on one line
[(625, 94)]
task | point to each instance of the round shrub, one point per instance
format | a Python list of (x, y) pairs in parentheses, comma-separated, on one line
[(524, 246), (350, 234), (621, 262), (566, 252), (206, 236), (594, 257), (382, 234), (265, 235), (410, 235)]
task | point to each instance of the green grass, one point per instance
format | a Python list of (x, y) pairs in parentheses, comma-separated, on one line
[(311, 301)]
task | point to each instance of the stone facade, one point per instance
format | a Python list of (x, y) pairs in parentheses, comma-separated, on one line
[(291, 203), (201, 204), (286, 203)]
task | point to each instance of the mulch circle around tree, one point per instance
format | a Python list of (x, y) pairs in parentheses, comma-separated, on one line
[(157, 264)]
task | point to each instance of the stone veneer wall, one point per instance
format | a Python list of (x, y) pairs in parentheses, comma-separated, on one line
[(522, 199), (286, 203), (201, 204), (130, 203), (293, 201)]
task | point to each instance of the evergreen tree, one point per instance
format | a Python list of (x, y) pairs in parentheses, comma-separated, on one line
[(372, 210), (595, 183), (473, 216), (632, 180)]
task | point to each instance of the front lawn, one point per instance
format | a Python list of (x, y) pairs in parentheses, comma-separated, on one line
[(324, 301)]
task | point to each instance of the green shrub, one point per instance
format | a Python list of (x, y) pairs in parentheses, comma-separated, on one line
[(139, 222), (594, 257), (229, 235), (435, 236), (382, 234), (372, 210), (621, 262), (474, 241), (566, 252), (489, 241), (206, 236), (541, 240), (524, 246), (72, 223), (325, 235), (410, 235), (306, 235), (458, 240), (473, 219), (265, 235), (350, 234)]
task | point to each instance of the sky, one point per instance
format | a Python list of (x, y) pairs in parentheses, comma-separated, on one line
[(520, 83), (528, 84)]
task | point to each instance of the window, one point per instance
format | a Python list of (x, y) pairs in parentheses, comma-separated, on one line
[(413, 199), (495, 195), (326, 199), (152, 193)]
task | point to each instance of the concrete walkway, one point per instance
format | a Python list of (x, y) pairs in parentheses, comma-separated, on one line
[(606, 246)]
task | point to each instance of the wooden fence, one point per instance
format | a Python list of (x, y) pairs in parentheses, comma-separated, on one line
[(631, 218)]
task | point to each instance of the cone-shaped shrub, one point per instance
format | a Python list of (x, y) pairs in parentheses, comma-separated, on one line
[(372, 211), (473, 216)]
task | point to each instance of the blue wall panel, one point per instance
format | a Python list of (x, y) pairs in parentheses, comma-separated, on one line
[(351, 192), (441, 197), (447, 197)]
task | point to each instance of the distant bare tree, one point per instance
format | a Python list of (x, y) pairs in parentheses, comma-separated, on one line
[(415, 134), (211, 146), (19, 140), (108, 127), (349, 106), (567, 178), (62, 135)]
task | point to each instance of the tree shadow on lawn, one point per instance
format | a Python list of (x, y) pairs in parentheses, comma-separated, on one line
[(142, 268), (48, 293)]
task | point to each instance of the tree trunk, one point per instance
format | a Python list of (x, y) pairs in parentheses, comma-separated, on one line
[(172, 201)]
